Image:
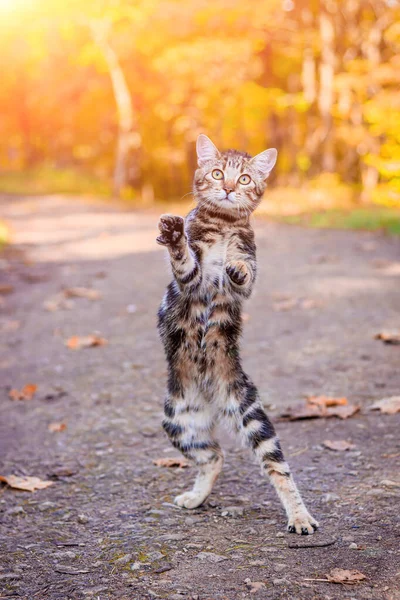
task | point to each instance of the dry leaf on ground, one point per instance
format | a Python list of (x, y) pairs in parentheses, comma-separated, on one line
[(34, 277), (6, 289), (391, 455), (55, 427), (388, 406), (309, 304), (283, 305), (288, 303), (58, 302), (27, 392), (380, 263), (82, 292), (254, 586), (338, 445), (317, 407), (389, 337), (182, 463), (327, 401), (62, 300), (350, 577), (77, 342), (28, 484), (9, 326)]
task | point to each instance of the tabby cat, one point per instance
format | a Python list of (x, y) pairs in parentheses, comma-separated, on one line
[(213, 258)]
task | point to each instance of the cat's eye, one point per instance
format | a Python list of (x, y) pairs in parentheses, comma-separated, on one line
[(217, 174), (244, 179)]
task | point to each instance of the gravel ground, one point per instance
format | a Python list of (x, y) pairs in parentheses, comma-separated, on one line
[(107, 528)]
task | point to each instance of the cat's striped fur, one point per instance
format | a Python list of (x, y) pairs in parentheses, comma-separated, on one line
[(213, 259)]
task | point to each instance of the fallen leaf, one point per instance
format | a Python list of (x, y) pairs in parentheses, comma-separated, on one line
[(327, 401), (9, 326), (338, 445), (387, 406), (77, 342), (58, 302), (318, 407), (182, 463), (28, 484), (6, 289), (309, 304), (343, 412), (82, 292), (368, 246), (55, 427), (27, 392), (392, 269), (380, 263), (254, 586), (283, 305), (389, 337), (62, 300), (391, 455), (350, 577), (34, 277)]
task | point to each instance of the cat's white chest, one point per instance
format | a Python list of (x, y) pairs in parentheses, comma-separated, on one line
[(213, 263)]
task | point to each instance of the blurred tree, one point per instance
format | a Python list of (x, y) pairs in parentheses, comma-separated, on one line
[(121, 88)]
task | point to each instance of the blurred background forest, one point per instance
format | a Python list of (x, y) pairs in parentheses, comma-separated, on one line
[(108, 97)]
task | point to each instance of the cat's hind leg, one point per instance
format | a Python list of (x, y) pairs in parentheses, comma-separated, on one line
[(249, 417), (189, 422)]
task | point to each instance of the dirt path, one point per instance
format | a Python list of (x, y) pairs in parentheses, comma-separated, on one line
[(106, 528)]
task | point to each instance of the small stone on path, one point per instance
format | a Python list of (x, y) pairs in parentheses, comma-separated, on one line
[(211, 557)]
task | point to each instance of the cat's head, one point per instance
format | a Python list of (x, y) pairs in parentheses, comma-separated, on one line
[(231, 182)]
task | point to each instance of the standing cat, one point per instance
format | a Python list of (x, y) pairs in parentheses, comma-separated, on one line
[(213, 259)]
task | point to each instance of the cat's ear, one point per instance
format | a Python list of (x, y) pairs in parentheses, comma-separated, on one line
[(206, 150), (265, 162)]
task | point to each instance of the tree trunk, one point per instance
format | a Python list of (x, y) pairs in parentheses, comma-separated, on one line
[(325, 98), (123, 100)]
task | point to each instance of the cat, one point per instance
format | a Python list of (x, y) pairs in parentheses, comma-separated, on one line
[(213, 258)]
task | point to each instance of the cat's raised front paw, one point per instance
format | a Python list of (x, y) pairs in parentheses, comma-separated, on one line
[(172, 230), (303, 524), (189, 500), (237, 272)]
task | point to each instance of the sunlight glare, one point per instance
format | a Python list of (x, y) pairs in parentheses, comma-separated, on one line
[(14, 5)]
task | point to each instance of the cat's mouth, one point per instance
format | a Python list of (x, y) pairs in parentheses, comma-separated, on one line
[(230, 197)]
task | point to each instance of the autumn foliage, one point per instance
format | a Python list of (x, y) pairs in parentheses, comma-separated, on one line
[(120, 90)]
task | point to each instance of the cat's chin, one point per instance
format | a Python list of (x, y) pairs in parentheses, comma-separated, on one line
[(224, 205)]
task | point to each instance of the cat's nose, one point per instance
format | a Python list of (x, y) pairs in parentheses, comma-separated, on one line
[(228, 190)]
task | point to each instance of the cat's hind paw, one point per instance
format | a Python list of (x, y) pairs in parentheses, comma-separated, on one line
[(190, 500), (303, 524)]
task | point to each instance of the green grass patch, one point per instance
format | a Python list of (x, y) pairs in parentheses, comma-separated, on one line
[(4, 235), (368, 218), (46, 179)]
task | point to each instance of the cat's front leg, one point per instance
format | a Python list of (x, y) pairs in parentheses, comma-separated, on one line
[(172, 230), (238, 272), (185, 267), (240, 276)]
